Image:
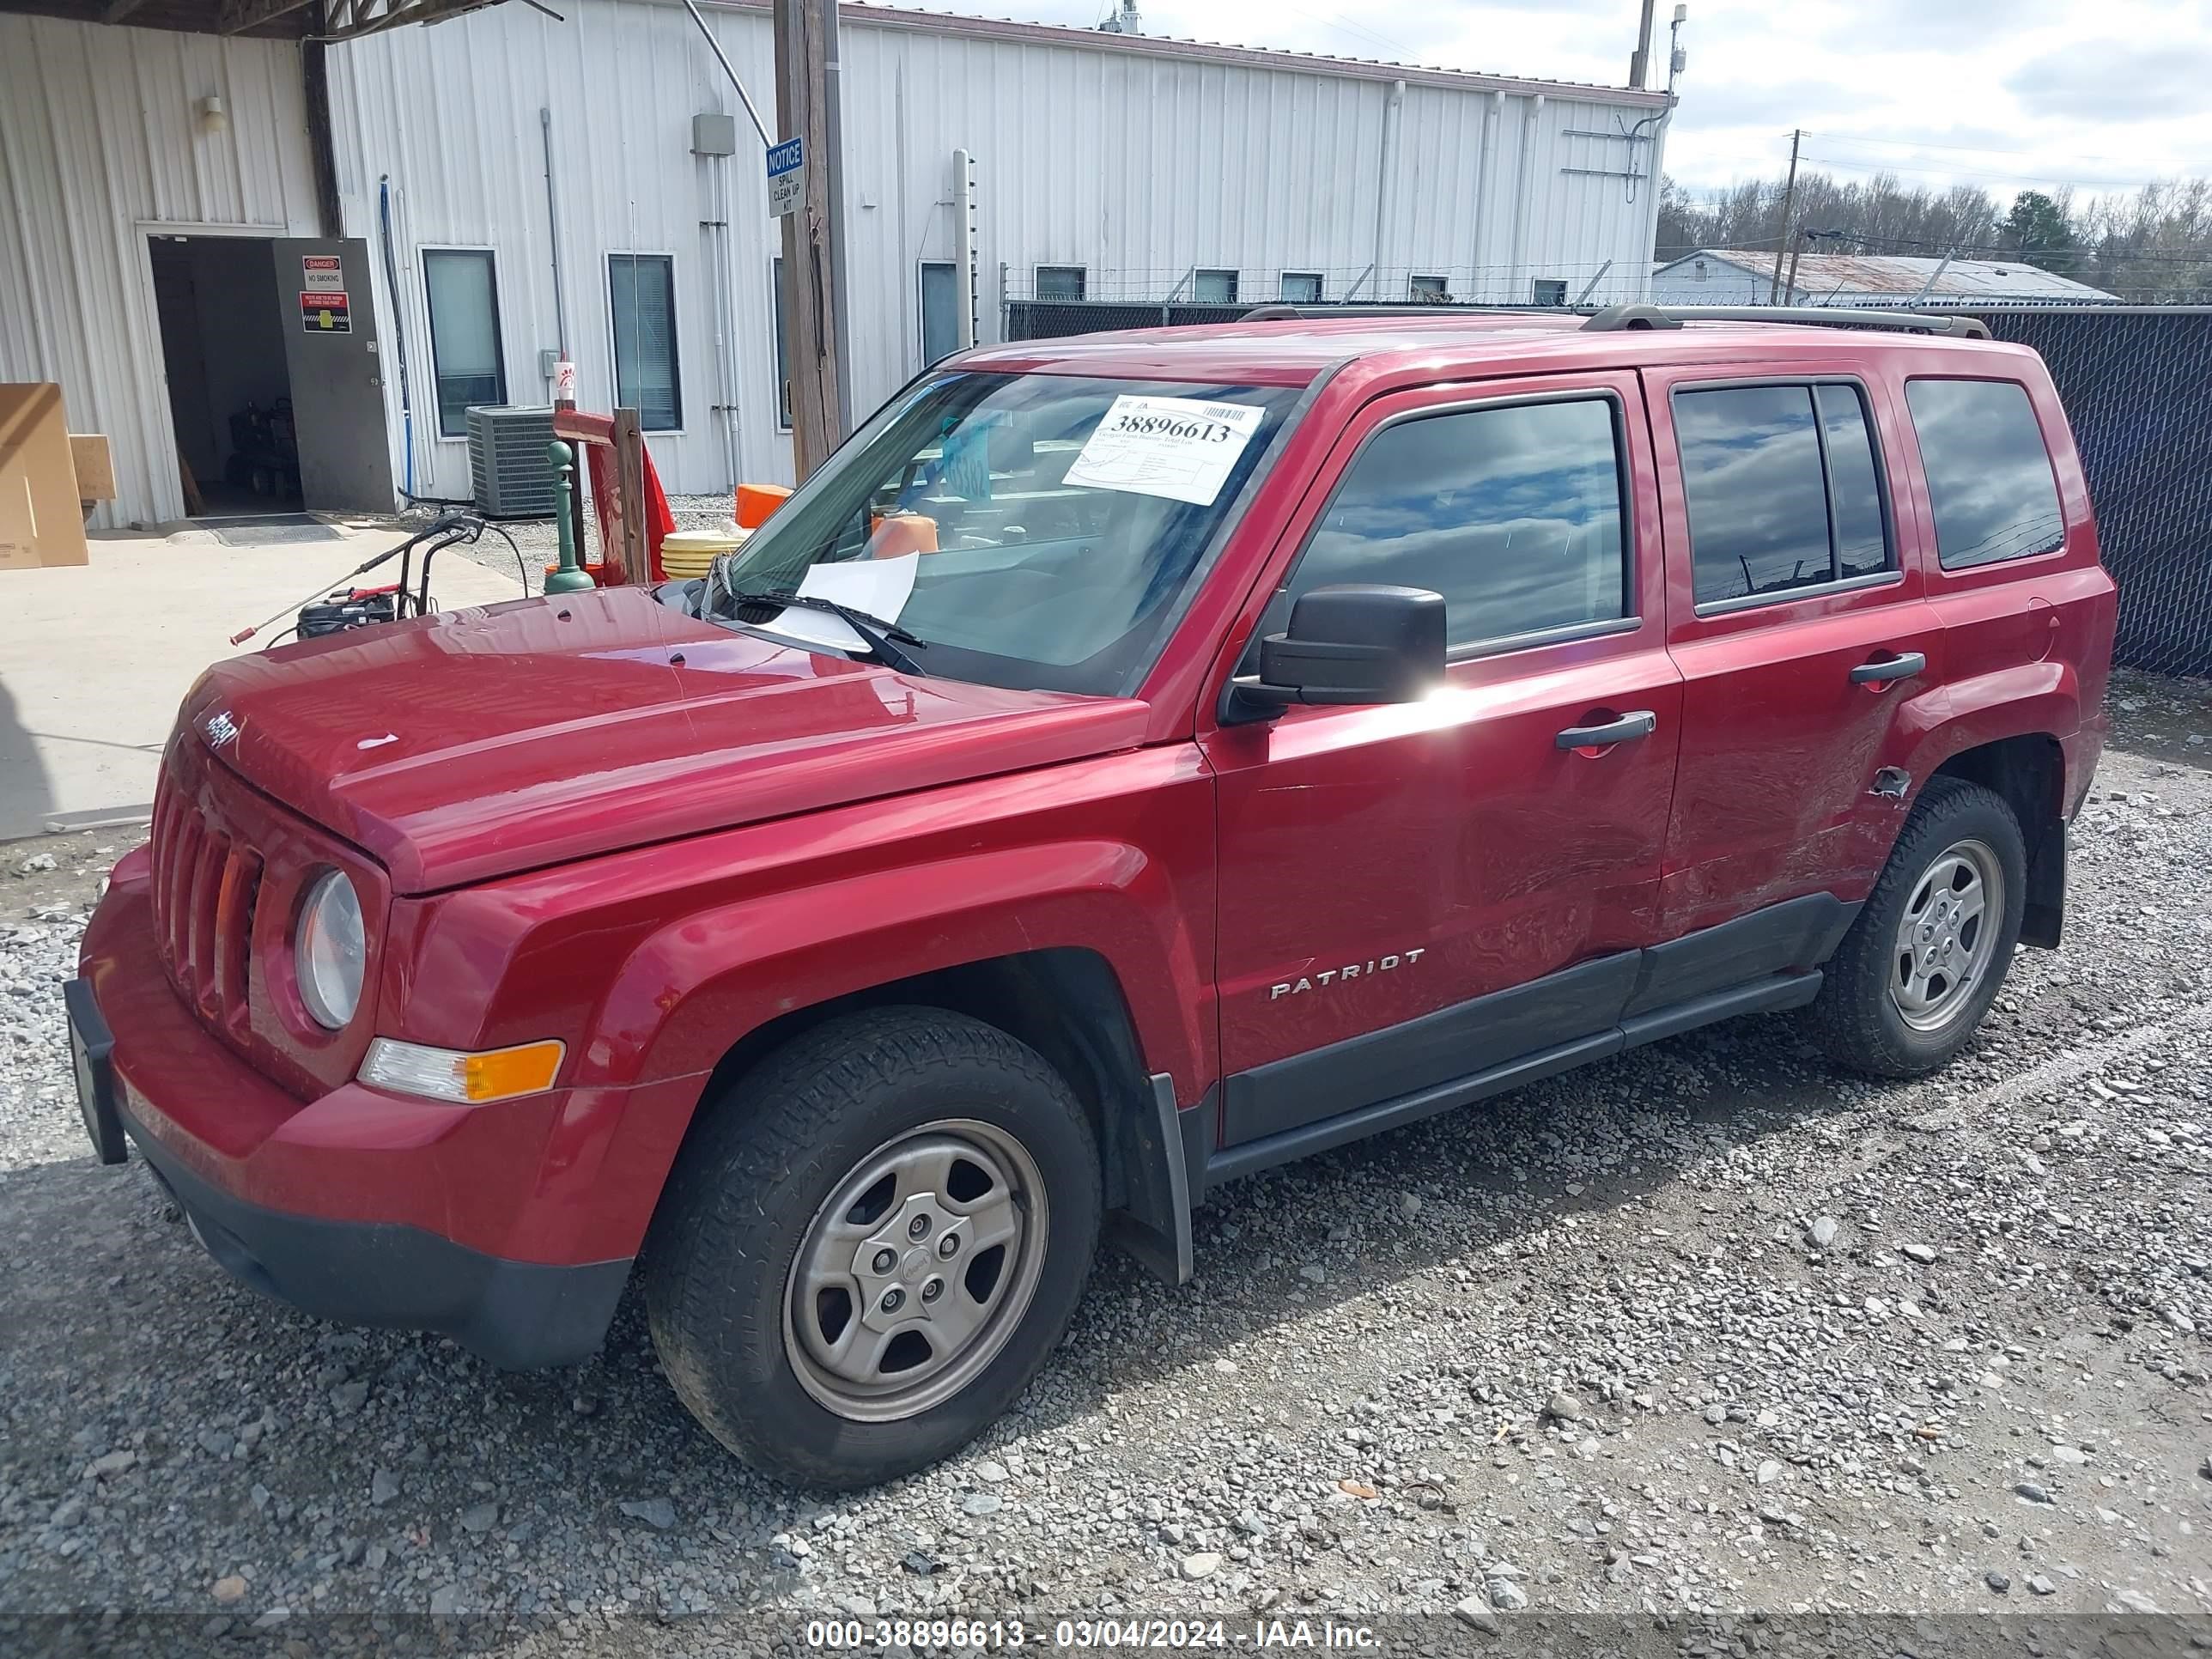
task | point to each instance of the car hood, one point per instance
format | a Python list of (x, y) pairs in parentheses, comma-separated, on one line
[(476, 743)]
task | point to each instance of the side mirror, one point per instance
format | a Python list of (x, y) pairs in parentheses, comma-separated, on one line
[(1351, 644)]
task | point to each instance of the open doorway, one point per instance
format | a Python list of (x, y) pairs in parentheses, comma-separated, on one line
[(230, 384)]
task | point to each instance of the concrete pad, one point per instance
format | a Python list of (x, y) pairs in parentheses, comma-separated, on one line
[(95, 659)]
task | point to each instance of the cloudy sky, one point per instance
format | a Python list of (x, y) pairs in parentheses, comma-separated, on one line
[(2004, 94)]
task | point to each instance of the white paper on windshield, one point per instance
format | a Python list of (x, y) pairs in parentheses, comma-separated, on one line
[(1178, 448), (881, 587)]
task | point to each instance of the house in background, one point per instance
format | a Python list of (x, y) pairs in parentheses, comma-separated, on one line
[(1739, 277)]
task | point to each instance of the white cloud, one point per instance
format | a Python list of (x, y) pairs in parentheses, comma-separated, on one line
[(2167, 78), (2005, 95)]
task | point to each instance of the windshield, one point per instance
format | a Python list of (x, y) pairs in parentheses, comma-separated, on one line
[(1032, 530)]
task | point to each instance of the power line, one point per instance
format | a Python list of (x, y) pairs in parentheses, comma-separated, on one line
[(1866, 139), (1333, 21), (1875, 165)]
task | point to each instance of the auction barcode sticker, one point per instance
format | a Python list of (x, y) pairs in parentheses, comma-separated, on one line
[(1179, 447)]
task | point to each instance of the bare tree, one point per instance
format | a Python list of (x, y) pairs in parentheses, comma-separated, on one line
[(1873, 215), (2152, 244)]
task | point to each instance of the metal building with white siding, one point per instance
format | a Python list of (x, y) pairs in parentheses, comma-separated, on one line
[(1737, 276), (1112, 165), (102, 147)]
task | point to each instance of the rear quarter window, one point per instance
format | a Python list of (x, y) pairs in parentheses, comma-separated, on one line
[(1988, 474)]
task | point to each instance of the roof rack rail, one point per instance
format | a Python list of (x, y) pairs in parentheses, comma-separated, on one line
[(1278, 312), (1911, 322)]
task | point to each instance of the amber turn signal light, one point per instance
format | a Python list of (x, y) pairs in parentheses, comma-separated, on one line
[(468, 1080)]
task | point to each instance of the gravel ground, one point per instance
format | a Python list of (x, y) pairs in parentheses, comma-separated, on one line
[(1705, 1331)]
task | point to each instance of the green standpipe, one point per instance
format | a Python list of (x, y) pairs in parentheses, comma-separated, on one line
[(571, 577)]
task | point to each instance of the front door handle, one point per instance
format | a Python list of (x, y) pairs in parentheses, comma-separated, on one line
[(1627, 729), (1903, 666)]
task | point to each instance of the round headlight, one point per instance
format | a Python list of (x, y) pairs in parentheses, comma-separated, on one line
[(330, 950)]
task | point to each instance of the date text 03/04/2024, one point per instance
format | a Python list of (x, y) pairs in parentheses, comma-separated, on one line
[(851, 1634)]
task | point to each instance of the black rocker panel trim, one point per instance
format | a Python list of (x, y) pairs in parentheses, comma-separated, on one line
[(1769, 959), (1319, 1136), (1785, 991), (1466, 1039), (1789, 937)]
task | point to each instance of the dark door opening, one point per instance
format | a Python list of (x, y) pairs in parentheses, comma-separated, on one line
[(229, 378)]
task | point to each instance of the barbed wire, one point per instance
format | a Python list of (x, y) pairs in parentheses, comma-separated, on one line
[(1514, 284)]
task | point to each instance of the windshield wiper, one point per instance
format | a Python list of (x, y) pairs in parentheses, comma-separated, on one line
[(875, 633)]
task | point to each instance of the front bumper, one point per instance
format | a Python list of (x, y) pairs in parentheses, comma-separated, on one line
[(518, 1315), (510, 1228)]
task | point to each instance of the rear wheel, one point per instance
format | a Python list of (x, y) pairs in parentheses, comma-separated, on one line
[(865, 1255), (1929, 951)]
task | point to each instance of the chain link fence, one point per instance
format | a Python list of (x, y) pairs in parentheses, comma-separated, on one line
[(2137, 383)]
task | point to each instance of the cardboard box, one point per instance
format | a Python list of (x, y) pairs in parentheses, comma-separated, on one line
[(93, 465), (40, 520)]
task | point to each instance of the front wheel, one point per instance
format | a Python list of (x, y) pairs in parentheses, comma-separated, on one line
[(867, 1253), (1929, 951)]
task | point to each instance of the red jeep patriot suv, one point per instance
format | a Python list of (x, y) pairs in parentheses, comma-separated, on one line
[(1130, 762)]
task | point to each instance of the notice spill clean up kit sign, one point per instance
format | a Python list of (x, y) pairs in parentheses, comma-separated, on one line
[(325, 311)]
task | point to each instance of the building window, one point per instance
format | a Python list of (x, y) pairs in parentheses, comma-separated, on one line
[(641, 294), (782, 345), (1549, 291), (1215, 287), (1301, 288), (1512, 513), (940, 311), (1781, 496), (1060, 281), (1429, 289), (1988, 474), (463, 295)]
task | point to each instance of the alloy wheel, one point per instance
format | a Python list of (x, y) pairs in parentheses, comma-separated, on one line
[(916, 1270), (1948, 935)]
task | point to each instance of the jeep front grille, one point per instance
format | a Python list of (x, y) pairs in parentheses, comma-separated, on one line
[(205, 889)]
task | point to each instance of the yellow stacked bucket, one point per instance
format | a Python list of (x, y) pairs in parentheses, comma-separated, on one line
[(687, 553)]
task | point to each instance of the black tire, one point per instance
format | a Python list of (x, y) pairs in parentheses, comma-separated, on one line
[(1856, 1017), (754, 1176)]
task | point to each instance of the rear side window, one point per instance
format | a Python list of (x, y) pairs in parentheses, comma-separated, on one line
[(1988, 474), (1855, 487), (1513, 513), (1783, 487)]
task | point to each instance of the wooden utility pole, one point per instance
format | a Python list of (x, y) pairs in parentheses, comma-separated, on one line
[(1797, 248), (805, 110), (1788, 200)]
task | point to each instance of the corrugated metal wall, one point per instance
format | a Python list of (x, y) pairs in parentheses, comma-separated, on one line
[(1136, 163), (100, 138), (1137, 168), (450, 117)]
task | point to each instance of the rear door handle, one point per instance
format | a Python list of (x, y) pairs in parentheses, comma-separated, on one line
[(1902, 667), (1627, 729)]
